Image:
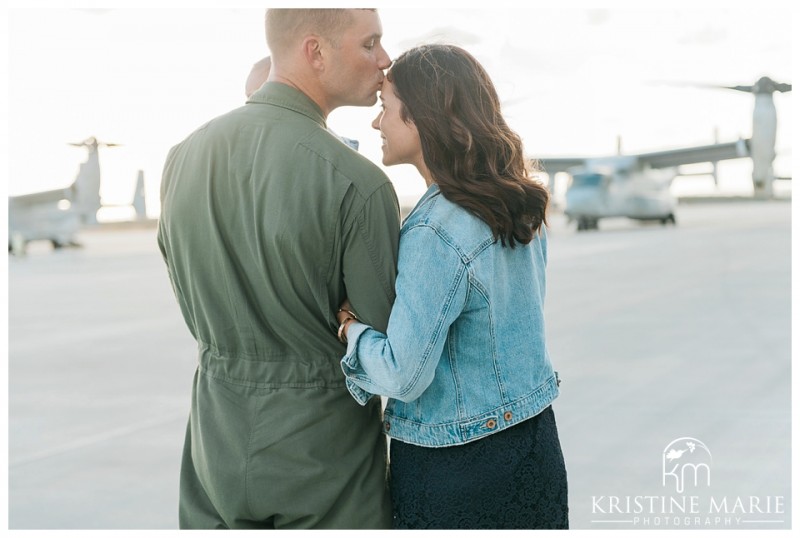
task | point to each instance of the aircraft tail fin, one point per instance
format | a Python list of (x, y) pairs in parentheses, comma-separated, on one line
[(139, 202), (86, 187)]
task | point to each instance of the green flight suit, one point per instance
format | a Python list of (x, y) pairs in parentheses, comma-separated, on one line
[(268, 222)]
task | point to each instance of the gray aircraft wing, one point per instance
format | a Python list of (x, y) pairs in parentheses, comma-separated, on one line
[(552, 166), (37, 198), (656, 159), (698, 154)]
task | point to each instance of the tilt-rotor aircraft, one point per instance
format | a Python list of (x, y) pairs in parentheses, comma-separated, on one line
[(637, 185), (57, 215)]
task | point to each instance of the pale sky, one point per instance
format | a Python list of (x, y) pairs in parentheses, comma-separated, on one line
[(573, 79)]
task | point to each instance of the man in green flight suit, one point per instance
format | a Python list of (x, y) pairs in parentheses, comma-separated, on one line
[(268, 222)]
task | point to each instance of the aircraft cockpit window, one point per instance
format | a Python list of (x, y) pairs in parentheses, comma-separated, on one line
[(587, 180)]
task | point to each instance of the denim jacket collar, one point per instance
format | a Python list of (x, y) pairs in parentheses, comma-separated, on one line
[(432, 191)]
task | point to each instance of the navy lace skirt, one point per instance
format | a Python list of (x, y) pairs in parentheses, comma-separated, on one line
[(513, 479)]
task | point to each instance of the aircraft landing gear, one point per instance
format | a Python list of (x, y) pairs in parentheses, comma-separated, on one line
[(669, 219), (59, 244), (17, 245), (586, 223)]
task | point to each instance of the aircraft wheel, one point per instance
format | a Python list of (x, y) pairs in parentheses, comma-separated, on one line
[(669, 219), (17, 244)]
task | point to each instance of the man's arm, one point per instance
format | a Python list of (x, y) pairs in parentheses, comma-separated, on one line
[(370, 257)]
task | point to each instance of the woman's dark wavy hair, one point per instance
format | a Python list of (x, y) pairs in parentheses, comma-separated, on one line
[(471, 152)]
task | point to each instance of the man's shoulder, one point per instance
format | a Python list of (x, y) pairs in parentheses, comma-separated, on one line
[(215, 124), (352, 166)]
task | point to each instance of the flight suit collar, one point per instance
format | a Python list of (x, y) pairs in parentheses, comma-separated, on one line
[(281, 95)]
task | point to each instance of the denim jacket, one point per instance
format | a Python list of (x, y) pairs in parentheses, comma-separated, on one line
[(464, 355)]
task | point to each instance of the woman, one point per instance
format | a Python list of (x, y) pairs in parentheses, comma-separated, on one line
[(463, 361)]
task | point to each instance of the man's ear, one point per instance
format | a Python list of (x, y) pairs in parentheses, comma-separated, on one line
[(312, 51)]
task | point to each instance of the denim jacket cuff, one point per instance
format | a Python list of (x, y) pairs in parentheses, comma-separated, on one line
[(350, 364), (359, 395)]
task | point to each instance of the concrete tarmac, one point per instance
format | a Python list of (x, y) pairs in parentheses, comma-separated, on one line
[(658, 333)]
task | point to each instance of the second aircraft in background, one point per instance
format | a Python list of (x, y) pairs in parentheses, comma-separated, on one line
[(637, 186)]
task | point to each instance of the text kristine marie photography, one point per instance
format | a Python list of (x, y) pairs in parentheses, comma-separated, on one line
[(686, 498)]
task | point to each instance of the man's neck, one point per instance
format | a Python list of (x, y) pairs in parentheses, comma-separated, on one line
[(312, 91)]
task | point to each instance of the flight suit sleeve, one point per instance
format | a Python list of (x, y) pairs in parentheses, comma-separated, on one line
[(162, 191), (370, 257), (165, 180)]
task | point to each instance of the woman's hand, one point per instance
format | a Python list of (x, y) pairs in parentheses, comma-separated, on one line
[(345, 311), (345, 316)]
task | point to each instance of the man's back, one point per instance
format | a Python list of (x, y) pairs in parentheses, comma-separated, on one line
[(268, 223), (259, 206)]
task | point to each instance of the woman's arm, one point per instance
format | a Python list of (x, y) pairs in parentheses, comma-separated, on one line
[(431, 290)]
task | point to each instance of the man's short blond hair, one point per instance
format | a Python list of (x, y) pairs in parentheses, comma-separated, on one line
[(285, 27)]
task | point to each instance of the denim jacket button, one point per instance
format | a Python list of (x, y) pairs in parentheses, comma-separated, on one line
[(507, 415), (386, 426), (491, 423)]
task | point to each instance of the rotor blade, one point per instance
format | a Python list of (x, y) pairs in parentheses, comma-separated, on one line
[(514, 100), (747, 89), (441, 34)]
